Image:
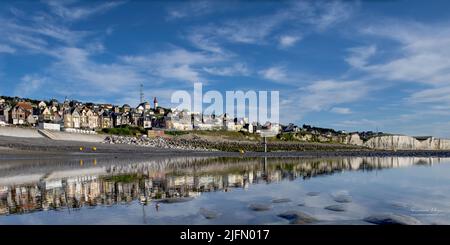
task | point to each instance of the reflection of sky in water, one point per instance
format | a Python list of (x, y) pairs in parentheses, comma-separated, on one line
[(420, 191)]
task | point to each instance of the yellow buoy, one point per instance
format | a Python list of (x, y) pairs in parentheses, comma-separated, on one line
[(94, 148), (81, 148), (241, 151)]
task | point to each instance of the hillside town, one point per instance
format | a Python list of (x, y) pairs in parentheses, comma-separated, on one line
[(78, 117), (75, 116), (137, 124)]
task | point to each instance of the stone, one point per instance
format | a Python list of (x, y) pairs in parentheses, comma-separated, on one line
[(400, 205), (208, 214), (312, 193), (342, 222), (336, 208), (297, 217), (343, 198), (281, 200), (157, 142), (177, 200), (260, 206), (392, 219)]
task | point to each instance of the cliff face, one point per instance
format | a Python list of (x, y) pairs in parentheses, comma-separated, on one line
[(400, 142)]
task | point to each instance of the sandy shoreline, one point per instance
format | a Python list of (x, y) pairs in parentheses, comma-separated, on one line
[(13, 147)]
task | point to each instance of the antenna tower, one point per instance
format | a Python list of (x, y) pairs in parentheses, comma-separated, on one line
[(141, 93)]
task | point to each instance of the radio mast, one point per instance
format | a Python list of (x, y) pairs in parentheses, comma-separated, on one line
[(141, 93)]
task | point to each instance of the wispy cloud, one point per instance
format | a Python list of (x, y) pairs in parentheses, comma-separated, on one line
[(77, 67), (29, 84), (196, 8), (205, 42), (72, 63), (341, 110), (421, 56), (329, 13), (69, 11), (238, 69), (176, 64), (321, 95), (359, 123), (359, 56), (300, 15), (38, 32), (287, 41), (7, 49), (275, 73), (418, 56)]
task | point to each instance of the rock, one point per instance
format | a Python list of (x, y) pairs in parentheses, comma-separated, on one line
[(297, 217), (336, 208), (260, 207), (343, 198), (400, 205), (281, 200), (342, 222), (177, 200), (157, 142), (312, 193), (208, 214), (392, 219)]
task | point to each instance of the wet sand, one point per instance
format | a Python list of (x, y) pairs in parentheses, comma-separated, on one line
[(14, 148)]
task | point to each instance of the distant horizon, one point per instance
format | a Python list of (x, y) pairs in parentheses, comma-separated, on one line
[(347, 65)]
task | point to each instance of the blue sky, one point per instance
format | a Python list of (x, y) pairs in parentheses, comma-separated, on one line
[(352, 65)]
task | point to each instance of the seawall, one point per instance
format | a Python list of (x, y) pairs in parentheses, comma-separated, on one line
[(55, 135)]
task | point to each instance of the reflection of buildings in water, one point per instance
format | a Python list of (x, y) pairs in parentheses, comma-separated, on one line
[(125, 183)]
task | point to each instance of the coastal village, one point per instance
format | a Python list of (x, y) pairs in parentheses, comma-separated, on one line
[(154, 121), (77, 117)]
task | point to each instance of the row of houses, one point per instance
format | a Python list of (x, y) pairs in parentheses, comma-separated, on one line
[(77, 115), (89, 116)]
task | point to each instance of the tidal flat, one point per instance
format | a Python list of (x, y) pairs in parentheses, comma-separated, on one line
[(358, 190)]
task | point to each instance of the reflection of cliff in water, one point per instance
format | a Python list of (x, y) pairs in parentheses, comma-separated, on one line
[(34, 186)]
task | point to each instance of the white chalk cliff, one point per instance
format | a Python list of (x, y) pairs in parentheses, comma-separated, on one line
[(399, 142)]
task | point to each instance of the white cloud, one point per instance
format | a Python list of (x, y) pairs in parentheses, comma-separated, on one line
[(321, 95), (341, 110), (205, 42), (318, 16), (249, 31), (77, 67), (364, 124), (439, 95), (359, 55), (188, 9), (238, 69), (177, 64), (68, 12), (28, 85), (419, 56), (7, 49), (38, 32), (288, 41), (422, 55), (331, 13), (275, 73)]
